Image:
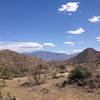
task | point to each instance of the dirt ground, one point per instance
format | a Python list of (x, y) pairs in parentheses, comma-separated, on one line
[(47, 91)]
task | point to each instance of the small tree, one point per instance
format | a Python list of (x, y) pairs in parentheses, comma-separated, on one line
[(37, 72), (79, 74)]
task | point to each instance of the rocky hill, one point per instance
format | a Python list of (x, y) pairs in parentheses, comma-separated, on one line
[(12, 62), (89, 55)]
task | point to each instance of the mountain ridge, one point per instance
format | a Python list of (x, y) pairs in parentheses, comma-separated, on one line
[(51, 56)]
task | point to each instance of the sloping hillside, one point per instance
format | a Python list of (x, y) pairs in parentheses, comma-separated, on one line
[(87, 56), (12, 62)]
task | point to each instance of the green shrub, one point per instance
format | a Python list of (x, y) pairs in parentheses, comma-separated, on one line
[(79, 74)]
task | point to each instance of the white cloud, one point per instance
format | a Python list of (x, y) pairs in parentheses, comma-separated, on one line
[(98, 38), (69, 43), (21, 46), (77, 51), (69, 7), (77, 31), (94, 19), (49, 44), (24, 46)]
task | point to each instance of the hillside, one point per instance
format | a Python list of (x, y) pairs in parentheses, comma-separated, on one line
[(12, 62), (89, 55)]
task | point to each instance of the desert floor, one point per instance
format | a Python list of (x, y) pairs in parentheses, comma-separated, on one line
[(47, 91)]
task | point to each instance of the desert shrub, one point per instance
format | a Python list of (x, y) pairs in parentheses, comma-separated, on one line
[(62, 67), (37, 73), (44, 91), (82, 77), (79, 74), (6, 73), (7, 96), (2, 83), (10, 97), (62, 84), (27, 84)]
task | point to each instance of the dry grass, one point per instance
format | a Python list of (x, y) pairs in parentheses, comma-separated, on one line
[(47, 91)]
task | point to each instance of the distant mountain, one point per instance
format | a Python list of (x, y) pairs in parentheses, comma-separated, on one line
[(87, 56), (50, 56)]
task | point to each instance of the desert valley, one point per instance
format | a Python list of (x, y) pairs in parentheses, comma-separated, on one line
[(25, 77), (49, 49)]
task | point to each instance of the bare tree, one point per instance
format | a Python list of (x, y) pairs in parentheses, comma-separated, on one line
[(37, 73)]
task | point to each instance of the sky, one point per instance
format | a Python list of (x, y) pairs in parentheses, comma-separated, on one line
[(66, 26)]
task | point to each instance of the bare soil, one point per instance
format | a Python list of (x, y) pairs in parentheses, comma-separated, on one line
[(47, 91)]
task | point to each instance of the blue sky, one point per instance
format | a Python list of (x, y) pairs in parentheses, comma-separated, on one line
[(52, 25)]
